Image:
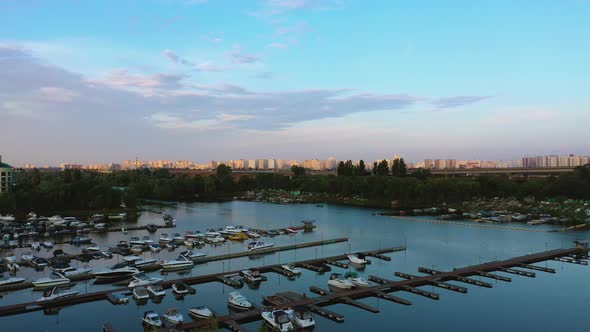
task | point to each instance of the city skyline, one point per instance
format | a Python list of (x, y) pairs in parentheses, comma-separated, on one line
[(292, 79)]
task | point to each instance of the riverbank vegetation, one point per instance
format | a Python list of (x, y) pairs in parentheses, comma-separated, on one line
[(80, 190)]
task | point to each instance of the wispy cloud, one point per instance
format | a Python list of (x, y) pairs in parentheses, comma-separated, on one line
[(203, 66), (458, 101), (237, 56)]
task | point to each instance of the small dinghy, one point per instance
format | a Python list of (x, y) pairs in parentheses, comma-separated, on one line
[(291, 268), (140, 293), (357, 260), (55, 294), (336, 280), (156, 291), (238, 302), (151, 319), (278, 320), (173, 316), (201, 312)]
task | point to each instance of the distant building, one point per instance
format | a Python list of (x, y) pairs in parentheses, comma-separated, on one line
[(70, 166), (439, 164), (451, 163), (6, 176), (428, 163)]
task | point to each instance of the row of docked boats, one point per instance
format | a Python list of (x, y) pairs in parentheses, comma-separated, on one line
[(347, 281)]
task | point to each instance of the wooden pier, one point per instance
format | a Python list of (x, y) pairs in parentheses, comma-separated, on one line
[(385, 286), (16, 309)]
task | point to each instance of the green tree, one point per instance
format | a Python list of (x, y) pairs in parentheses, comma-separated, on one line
[(361, 168), (383, 168), (298, 170)]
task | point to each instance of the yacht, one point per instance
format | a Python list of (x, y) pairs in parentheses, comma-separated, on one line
[(72, 271), (356, 280), (151, 319), (177, 264), (136, 249), (143, 262), (356, 259), (251, 276), (156, 291), (10, 281), (130, 259), (165, 238), (258, 245), (338, 281), (237, 301), (291, 268), (212, 233), (140, 293), (54, 279), (173, 316), (301, 318), (194, 235), (116, 272), (253, 235), (147, 240), (278, 320), (201, 312), (135, 241), (155, 247), (142, 279), (55, 294)]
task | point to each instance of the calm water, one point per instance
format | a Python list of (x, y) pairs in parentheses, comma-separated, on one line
[(550, 302)]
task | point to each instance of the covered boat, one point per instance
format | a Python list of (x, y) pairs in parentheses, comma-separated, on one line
[(338, 281), (151, 319), (278, 320)]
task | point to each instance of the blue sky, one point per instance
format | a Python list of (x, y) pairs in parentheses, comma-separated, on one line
[(99, 81)]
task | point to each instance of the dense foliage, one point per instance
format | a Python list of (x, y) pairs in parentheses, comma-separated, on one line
[(90, 190)]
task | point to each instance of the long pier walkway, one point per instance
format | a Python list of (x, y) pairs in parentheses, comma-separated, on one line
[(385, 286)]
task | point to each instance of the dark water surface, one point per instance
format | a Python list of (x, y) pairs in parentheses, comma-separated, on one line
[(549, 302)]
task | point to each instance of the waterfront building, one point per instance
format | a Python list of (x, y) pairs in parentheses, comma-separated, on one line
[(6, 176)]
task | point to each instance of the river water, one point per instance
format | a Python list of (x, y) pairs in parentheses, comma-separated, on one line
[(549, 302)]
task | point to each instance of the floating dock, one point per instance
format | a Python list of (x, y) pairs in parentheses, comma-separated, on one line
[(385, 286)]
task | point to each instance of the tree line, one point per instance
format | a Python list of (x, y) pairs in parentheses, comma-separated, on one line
[(86, 190)]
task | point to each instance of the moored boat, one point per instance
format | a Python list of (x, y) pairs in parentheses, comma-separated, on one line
[(356, 280), (259, 245), (177, 264), (116, 272), (54, 279), (142, 279), (291, 268), (251, 276), (10, 281), (173, 316), (338, 281), (56, 293), (156, 291), (356, 259), (278, 320), (237, 301), (72, 271), (301, 317), (140, 293), (201, 312), (151, 319)]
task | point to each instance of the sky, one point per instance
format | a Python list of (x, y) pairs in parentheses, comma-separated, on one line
[(102, 81)]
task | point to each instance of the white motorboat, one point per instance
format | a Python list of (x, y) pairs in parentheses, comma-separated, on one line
[(217, 239), (12, 267), (131, 259), (36, 245), (177, 264), (147, 240), (201, 312), (212, 233), (173, 316), (254, 235), (237, 301), (39, 262), (144, 262), (142, 279), (291, 268), (7, 218), (100, 226), (136, 249), (56, 293), (356, 259), (155, 247), (156, 291), (251, 276), (356, 280), (9, 281), (338, 281), (135, 241), (47, 244), (151, 319), (177, 238), (54, 279), (259, 245), (115, 273), (27, 256), (192, 255), (140, 293), (301, 317), (241, 228), (180, 288), (93, 249), (194, 235), (291, 230), (278, 320), (164, 238), (72, 271)]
